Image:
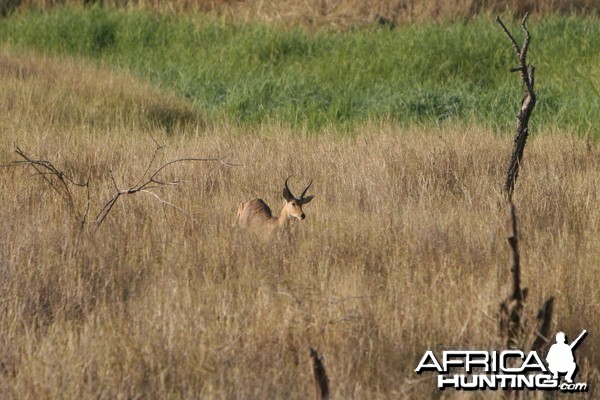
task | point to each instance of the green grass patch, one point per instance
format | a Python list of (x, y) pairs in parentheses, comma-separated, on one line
[(251, 73)]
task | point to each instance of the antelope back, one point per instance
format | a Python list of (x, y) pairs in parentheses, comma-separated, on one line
[(255, 211)]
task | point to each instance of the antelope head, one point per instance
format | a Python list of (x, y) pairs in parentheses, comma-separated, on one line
[(293, 204)]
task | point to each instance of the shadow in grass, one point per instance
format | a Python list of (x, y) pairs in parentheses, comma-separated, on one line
[(173, 118)]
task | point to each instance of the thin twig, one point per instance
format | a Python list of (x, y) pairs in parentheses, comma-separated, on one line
[(527, 38), (156, 150), (172, 205), (149, 180), (220, 160), (509, 35), (47, 171)]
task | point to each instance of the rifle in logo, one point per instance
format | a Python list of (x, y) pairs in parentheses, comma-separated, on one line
[(560, 356)]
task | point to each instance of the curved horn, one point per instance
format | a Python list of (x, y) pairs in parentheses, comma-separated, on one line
[(306, 190), (286, 186)]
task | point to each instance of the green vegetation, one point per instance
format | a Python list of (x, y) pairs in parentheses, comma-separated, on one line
[(252, 73)]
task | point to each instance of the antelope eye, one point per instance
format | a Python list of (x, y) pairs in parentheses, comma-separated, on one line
[(293, 204)]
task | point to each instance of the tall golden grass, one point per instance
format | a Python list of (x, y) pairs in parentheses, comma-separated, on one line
[(340, 13), (404, 248)]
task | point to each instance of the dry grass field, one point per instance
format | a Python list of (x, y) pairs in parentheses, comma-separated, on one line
[(333, 13), (403, 250)]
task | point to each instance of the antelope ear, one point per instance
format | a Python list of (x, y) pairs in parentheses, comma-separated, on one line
[(287, 195), (307, 199)]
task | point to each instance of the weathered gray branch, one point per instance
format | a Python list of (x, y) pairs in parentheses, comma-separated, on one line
[(527, 103)]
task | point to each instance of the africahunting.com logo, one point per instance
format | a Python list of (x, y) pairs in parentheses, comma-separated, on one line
[(508, 369)]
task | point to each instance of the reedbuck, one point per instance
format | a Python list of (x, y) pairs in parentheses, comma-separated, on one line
[(257, 214)]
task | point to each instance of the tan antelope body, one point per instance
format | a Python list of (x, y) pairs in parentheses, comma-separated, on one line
[(257, 214)]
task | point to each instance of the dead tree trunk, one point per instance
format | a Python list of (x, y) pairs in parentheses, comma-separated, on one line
[(321, 380), (514, 331), (511, 309), (527, 104)]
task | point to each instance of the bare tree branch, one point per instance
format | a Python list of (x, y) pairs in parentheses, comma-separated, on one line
[(59, 181), (156, 150), (172, 205), (527, 103), (62, 183), (149, 180), (509, 35)]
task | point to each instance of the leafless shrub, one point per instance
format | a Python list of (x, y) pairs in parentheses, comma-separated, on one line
[(150, 180), (66, 186), (62, 183)]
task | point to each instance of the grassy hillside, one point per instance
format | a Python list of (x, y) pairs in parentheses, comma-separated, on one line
[(404, 248), (249, 73)]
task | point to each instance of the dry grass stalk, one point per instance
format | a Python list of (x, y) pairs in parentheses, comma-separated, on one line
[(334, 13)]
